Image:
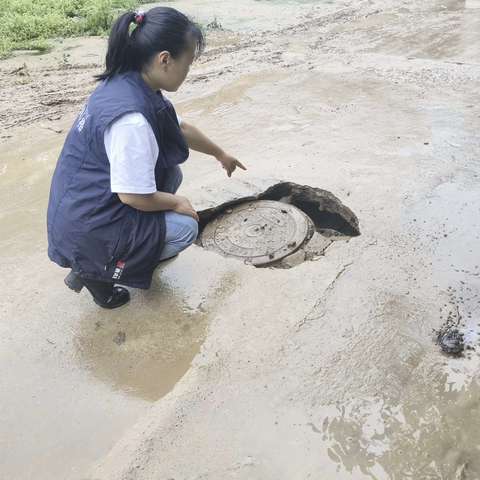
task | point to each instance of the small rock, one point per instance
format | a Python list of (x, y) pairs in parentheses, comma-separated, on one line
[(451, 341)]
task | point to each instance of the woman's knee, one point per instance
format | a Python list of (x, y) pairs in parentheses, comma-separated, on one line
[(181, 232), (190, 230), (180, 229)]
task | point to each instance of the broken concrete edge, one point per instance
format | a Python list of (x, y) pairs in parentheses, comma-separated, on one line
[(321, 206)]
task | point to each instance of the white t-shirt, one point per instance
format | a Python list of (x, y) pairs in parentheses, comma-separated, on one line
[(132, 151)]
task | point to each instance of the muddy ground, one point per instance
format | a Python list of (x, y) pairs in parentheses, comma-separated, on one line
[(326, 370)]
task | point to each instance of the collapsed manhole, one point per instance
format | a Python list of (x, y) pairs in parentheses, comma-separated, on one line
[(258, 232), (282, 227)]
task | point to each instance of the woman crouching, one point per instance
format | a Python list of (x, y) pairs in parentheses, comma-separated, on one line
[(113, 212)]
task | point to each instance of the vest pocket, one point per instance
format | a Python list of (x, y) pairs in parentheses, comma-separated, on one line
[(122, 243)]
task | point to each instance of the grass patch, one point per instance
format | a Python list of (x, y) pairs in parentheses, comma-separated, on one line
[(28, 24)]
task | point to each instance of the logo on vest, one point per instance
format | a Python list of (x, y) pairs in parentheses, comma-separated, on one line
[(118, 270), (82, 118)]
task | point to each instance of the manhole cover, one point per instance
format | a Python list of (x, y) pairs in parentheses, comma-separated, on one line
[(258, 232)]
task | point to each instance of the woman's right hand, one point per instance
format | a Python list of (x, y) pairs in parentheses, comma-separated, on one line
[(184, 207)]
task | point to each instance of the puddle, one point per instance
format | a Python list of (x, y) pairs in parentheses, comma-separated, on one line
[(330, 219), (143, 355), (227, 97), (378, 438), (146, 354)]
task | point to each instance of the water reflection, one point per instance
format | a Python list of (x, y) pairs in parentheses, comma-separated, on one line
[(145, 348), (432, 433), (144, 352)]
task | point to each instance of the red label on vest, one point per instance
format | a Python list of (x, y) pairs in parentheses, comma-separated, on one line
[(118, 270)]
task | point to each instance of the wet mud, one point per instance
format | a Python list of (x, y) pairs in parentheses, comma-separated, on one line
[(458, 332), (329, 369), (144, 356), (451, 341), (357, 433)]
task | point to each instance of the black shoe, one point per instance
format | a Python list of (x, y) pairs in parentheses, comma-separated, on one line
[(74, 282), (104, 294)]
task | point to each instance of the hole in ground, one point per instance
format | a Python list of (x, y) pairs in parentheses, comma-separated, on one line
[(329, 220)]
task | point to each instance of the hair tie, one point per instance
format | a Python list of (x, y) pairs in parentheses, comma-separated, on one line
[(139, 17)]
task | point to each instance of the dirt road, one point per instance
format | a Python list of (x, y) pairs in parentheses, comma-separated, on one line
[(326, 370)]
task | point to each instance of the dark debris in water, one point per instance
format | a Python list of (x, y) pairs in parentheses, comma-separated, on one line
[(458, 333), (451, 341)]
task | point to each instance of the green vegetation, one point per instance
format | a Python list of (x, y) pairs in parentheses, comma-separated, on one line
[(28, 24)]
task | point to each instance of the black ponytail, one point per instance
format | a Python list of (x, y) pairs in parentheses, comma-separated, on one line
[(161, 28)]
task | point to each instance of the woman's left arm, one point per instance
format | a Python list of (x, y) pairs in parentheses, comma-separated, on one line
[(201, 143)]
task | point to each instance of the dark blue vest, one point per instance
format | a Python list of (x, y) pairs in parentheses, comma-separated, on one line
[(89, 228)]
